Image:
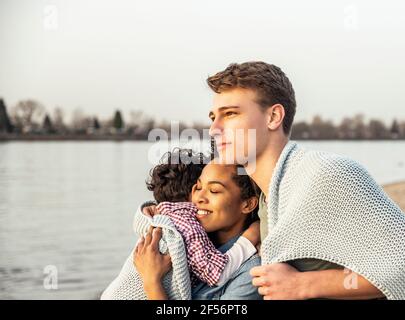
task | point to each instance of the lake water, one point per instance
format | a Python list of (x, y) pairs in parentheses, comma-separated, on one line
[(68, 207)]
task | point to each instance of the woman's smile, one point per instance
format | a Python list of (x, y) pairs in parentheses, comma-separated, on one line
[(201, 213)]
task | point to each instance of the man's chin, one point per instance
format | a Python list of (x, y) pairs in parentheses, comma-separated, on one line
[(230, 159), (226, 156)]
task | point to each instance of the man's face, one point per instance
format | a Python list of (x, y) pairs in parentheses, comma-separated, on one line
[(234, 112)]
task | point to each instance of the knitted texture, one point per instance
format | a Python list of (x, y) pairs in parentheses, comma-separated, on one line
[(325, 206), (129, 286)]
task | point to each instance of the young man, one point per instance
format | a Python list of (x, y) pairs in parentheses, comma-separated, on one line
[(313, 222)]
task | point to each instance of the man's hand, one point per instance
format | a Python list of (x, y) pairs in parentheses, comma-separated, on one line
[(278, 281), (282, 281), (150, 211)]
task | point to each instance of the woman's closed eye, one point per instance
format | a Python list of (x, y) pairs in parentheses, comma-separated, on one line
[(198, 188), (214, 191)]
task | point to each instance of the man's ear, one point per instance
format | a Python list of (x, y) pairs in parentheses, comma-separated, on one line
[(249, 205), (275, 116)]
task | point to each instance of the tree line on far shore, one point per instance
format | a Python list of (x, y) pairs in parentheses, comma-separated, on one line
[(28, 118)]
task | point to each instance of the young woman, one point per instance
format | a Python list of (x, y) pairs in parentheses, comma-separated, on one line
[(227, 204)]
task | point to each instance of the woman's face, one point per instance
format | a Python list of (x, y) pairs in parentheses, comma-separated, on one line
[(217, 198)]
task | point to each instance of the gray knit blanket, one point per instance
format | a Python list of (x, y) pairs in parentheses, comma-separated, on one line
[(128, 284), (325, 206)]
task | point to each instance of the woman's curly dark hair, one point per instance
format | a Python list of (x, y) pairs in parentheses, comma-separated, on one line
[(173, 178)]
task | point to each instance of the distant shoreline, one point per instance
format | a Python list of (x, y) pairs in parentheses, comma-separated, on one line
[(100, 137), (6, 138)]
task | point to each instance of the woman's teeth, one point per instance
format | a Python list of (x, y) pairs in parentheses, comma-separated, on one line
[(203, 212)]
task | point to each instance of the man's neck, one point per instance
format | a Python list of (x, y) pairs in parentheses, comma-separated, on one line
[(265, 164)]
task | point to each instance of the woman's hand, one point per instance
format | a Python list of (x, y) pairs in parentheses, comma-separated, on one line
[(150, 210), (150, 263), (253, 234)]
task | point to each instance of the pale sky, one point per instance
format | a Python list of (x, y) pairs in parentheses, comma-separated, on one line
[(343, 57)]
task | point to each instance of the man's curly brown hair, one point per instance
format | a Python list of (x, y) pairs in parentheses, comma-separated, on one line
[(267, 80)]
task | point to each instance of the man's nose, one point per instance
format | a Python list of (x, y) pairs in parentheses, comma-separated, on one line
[(216, 128)]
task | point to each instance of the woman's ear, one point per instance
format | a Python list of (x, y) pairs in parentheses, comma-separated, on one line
[(275, 116), (249, 205)]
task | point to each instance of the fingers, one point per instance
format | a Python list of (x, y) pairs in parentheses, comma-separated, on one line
[(152, 237), (156, 236), (149, 211), (258, 246), (139, 244), (256, 224), (264, 291), (260, 281), (146, 211), (148, 236), (258, 271), (167, 258)]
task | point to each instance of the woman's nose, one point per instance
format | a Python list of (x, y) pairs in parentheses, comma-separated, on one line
[(201, 198)]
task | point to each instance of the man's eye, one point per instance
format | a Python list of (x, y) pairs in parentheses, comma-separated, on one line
[(213, 191), (230, 113), (212, 119)]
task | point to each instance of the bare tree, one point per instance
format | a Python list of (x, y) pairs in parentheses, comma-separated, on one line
[(346, 129), (321, 129), (402, 130), (28, 114), (360, 129), (395, 129), (377, 129), (135, 118), (300, 130)]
